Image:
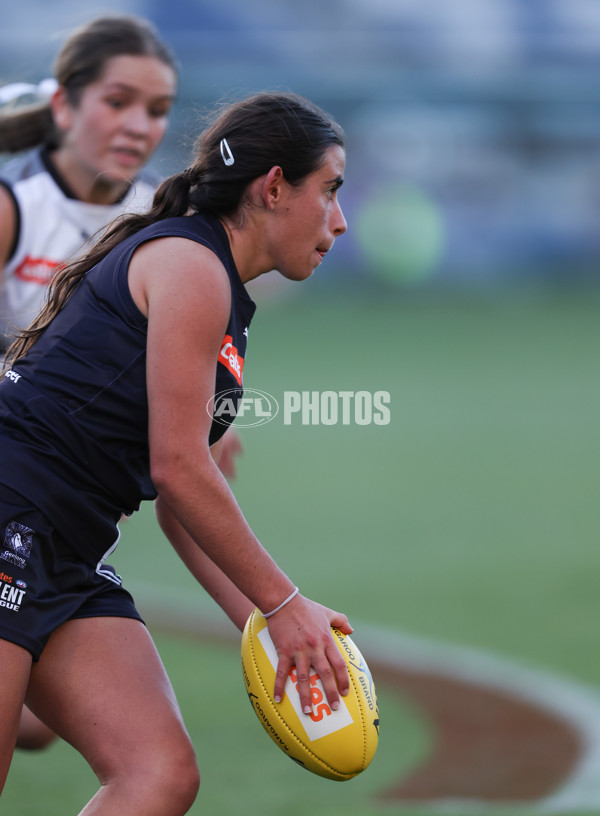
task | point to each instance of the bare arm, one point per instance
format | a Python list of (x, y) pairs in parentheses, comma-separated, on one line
[(233, 602), (184, 291), (8, 225)]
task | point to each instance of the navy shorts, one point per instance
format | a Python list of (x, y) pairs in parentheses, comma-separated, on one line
[(43, 582)]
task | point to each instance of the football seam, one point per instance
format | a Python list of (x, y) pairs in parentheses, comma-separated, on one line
[(289, 730), (358, 694)]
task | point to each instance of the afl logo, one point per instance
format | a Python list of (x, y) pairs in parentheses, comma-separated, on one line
[(21, 584), (254, 408)]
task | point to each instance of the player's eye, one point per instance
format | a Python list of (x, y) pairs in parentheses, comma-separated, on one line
[(159, 111), (116, 104)]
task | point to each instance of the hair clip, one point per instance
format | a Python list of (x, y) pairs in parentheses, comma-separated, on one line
[(226, 153)]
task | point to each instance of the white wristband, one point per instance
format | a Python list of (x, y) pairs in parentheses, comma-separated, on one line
[(282, 604)]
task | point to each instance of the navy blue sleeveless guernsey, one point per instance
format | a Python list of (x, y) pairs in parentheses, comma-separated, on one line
[(74, 410)]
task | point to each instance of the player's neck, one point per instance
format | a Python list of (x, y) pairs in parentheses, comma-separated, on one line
[(85, 185)]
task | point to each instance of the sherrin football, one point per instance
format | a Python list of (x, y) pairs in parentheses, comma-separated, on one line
[(334, 744)]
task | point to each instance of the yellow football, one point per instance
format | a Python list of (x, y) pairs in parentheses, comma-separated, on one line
[(334, 744)]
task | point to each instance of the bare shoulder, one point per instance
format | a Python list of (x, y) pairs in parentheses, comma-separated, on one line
[(177, 274), (8, 224), (183, 288)]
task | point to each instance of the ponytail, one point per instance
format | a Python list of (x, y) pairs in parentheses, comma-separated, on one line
[(25, 129)]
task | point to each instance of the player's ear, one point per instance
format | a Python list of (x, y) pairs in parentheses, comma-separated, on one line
[(62, 109), (272, 187)]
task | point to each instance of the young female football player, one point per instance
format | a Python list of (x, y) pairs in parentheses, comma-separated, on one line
[(105, 405)]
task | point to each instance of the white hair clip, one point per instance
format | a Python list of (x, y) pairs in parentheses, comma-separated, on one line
[(44, 89), (226, 153)]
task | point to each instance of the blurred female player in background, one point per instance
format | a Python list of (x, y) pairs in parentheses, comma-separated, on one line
[(88, 135), (92, 131), (106, 401)]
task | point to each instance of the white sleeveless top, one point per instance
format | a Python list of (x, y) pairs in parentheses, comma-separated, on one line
[(52, 227)]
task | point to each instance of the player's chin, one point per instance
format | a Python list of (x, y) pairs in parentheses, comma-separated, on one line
[(123, 175), (121, 172), (297, 274)]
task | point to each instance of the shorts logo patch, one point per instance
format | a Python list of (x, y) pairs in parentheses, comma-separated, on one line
[(18, 540), (11, 597)]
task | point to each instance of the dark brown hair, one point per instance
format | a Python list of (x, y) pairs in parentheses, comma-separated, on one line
[(80, 62), (266, 130)]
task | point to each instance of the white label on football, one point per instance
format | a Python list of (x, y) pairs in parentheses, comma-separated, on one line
[(323, 720)]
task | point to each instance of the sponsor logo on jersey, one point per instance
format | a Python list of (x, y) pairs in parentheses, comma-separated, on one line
[(36, 270), (231, 359)]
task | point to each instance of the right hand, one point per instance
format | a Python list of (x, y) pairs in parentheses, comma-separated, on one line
[(301, 633)]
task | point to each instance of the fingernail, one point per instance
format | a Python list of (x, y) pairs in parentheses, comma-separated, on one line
[(277, 698), (307, 709), (336, 705)]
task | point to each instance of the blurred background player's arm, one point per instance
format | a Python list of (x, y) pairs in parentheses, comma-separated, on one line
[(225, 452)]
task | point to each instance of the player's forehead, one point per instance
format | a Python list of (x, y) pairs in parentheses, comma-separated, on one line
[(137, 73)]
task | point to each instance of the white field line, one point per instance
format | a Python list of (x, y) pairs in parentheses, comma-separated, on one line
[(577, 704), (574, 702)]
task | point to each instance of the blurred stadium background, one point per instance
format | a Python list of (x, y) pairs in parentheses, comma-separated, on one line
[(468, 286), (472, 126)]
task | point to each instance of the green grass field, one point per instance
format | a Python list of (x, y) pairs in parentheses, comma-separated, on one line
[(471, 518)]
